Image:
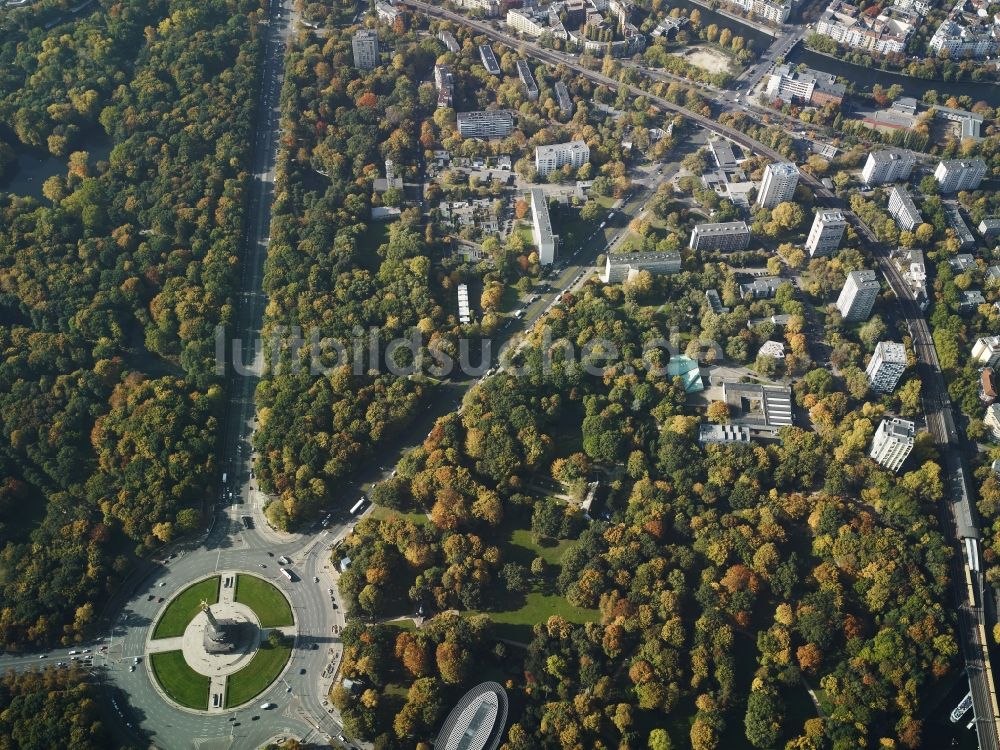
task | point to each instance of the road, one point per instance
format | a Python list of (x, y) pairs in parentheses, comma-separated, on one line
[(937, 404)]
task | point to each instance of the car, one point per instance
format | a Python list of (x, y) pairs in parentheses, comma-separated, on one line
[(315, 579), (254, 718), (270, 554), (131, 667), (268, 706), (261, 565), (73, 652), (302, 671)]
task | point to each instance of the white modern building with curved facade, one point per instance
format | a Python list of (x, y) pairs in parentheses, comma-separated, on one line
[(478, 720)]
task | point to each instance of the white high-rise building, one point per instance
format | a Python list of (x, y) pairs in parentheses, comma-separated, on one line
[(857, 298), (886, 367), (826, 233), (778, 184), (992, 420), (541, 228), (892, 443), (986, 351), (364, 44), (903, 210), (959, 174), (486, 124), (888, 165), (555, 156)]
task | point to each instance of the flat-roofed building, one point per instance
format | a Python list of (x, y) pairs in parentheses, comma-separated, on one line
[(619, 267), (723, 433), (541, 228), (449, 41), (727, 236), (858, 296), (557, 155), (364, 46), (759, 406), (527, 80), (986, 351), (565, 103), (778, 185), (886, 366), (804, 86), (489, 59), (992, 420), (444, 82), (989, 228), (486, 124), (888, 165), (903, 210), (892, 443), (953, 175), (826, 233)]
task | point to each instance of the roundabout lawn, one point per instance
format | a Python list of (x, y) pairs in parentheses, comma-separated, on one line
[(184, 607), (263, 669), (269, 604), (179, 681)]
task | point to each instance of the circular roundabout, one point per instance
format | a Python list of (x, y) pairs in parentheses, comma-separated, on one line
[(220, 642)]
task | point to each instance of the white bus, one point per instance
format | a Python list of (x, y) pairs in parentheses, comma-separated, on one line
[(358, 505), (287, 574)]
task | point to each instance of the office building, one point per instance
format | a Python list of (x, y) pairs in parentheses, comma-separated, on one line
[(497, 123), (888, 165), (364, 44), (858, 296), (892, 443), (959, 174), (557, 155), (804, 86), (527, 80), (986, 351), (903, 210), (619, 267), (989, 228), (541, 228), (723, 433), (826, 233), (992, 420), (778, 185), (727, 236), (886, 366)]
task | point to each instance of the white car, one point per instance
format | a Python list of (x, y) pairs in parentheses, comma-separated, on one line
[(268, 706)]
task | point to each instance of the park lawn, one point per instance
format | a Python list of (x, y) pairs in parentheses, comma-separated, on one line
[(185, 606), (516, 624), (179, 681), (253, 679), (380, 513), (522, 538), (269, 604)]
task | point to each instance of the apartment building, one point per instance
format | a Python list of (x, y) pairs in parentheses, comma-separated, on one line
[(959, 174), (986, 351), (778, 185), (527, 80), (727, 236), (489, 124), (858, 296), (903, 210), (826, 233), (885, 34), (892, 443), (526, 22), (444, 82), (364, 45), (489, 59), (965, 38), (449, 41), (886, 366), (565, 103), (557, 155), (888, 165), (541, 228)]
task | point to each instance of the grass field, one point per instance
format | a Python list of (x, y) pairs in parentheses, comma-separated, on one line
[(269, 604), (179, 681), (185, 606), (262, 670), (419, 519)]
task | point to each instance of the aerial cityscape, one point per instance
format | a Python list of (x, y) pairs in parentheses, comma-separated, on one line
[(499, 374)]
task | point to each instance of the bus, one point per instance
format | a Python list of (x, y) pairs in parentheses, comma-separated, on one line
[(359, 505), (287, 574)]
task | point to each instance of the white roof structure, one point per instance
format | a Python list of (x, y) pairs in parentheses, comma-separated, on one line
[(773, 349), (463, 304)]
